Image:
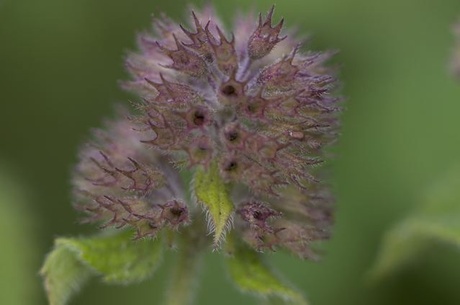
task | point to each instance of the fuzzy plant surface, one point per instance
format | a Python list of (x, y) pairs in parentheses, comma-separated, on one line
[(223, 151)]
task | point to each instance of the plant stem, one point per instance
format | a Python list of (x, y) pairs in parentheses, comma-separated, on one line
[(185, 274)]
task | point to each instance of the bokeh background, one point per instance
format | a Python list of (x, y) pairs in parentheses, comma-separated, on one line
[(60, 61)]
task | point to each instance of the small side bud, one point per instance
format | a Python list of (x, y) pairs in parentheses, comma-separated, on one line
[(174, 213), (258, 215), (172, 94), (200, 39), (265, 37), (225, 54), (185, 60), (280, 76)]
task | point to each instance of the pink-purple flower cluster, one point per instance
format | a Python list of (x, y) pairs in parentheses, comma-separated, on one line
[(249, 102)]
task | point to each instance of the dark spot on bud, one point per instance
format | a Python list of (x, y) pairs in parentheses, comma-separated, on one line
[(231, 166), (174, 212), (198, 118), (208, 57), (258, 215), (232, 135), (229, 90), (251, 108), (177, 211)]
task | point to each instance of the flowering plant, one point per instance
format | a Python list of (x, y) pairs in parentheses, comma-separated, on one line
[(234, 125)]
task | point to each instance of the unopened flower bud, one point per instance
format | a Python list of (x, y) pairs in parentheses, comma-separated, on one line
[(265, 37)]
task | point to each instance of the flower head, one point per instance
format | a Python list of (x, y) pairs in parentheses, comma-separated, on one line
[(247, 104)]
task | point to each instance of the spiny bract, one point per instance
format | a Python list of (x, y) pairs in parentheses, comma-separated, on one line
[(249, 103)]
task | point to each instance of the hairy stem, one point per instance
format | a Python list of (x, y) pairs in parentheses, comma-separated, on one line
[(185, 274)]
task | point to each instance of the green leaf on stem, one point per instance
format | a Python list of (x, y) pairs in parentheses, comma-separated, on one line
[(117, 258), (437, 220), (63, 274), (211, 191), (251, 274)]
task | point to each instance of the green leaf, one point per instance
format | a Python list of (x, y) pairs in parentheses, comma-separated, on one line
[(211, 191), (117, 258), (64, 274), (251, 274), (437, 220)]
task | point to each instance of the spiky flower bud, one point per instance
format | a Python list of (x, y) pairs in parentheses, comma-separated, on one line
[(249, 104)]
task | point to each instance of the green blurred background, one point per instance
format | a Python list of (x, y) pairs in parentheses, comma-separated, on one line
[(60, 61)]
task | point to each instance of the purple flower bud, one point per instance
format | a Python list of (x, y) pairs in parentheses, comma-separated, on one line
[(121, 183), (249, 101), (265, 37), (184, 60)]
